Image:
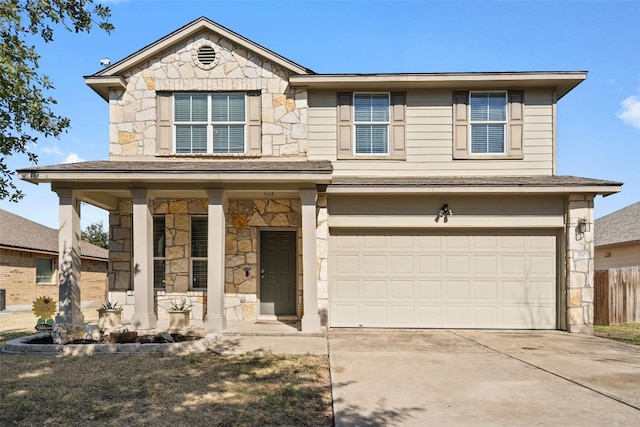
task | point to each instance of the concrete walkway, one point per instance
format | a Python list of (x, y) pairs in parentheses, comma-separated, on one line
[(482, 378)]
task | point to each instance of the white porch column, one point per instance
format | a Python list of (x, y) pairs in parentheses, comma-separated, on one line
[(310, 317), (144, 316), (69, 310), (215, 320)]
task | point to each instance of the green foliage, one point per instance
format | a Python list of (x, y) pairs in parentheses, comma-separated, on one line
[(95, 233), (110, 306), (26, 109), (182, 305)]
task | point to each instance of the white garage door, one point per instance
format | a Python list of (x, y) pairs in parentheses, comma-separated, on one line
[(474, 279)]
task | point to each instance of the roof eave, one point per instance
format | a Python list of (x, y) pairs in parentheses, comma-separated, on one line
[(471, 189), (562, 81), (102, 84)]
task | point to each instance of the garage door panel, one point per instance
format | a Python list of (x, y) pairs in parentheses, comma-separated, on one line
[(429, 264), (375, 289), (443, 280), (430, 290), (457, 264), (401, 264), (402, 289)]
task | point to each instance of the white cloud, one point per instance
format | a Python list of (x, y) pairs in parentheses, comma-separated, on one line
[(630, 113), (53, 150), (73, 158)]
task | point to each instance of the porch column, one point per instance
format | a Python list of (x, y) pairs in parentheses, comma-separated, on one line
[(310, 317), (69, 310), (215, 320), (144, 316)]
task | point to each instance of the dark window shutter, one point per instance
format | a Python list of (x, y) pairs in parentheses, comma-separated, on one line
[(254, 125), (516, 121), (398, 125), (345, 125), (460, 125), (164, 111)]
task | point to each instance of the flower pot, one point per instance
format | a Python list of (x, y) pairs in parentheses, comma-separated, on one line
[(123, 337), (179, 319), (109, 318)]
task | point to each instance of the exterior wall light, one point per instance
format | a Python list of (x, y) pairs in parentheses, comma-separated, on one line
[(583, 226)]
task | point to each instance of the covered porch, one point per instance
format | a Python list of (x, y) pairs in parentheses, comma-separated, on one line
[(237, 239)]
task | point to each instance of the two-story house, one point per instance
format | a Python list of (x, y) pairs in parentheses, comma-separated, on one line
[(260, 189)]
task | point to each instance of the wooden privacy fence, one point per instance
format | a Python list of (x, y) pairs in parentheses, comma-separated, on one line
[(617, 296)]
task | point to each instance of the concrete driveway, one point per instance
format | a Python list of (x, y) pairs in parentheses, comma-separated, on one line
[(482, 378)]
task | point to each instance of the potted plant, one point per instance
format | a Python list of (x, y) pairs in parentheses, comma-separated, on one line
[(179, 314), (122, 336), (109, 315)]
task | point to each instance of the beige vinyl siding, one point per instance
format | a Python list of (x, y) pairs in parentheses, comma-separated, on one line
[(430, 139), (622, 255), (408, 211)]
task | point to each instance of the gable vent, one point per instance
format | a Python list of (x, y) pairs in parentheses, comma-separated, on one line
[(206, 55)]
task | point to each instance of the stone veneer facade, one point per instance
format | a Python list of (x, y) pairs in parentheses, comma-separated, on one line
[(133, 111), (244, 219), (579, 265)]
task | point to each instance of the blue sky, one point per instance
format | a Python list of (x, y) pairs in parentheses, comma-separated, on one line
[(598, 122)]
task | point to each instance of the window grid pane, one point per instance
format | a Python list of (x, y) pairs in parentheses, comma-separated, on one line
[(199, 273), (487, 139), (191, 139), (159, 279), (228, 139), (158, 236), (199, 237), (371, 108), (372, 139)]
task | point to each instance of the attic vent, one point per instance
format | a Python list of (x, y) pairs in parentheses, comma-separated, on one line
[(206, 55)]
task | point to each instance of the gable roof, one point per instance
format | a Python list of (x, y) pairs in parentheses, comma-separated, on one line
[(17, 232), (618, 227), (110, 76)]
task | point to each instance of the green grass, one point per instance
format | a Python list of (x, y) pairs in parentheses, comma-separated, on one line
[(151, 390), (628, 333)]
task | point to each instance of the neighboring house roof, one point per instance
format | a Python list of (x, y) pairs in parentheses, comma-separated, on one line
[(110, 76), (20, 233), (618, 227)]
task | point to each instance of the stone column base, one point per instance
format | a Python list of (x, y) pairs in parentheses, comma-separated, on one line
[(310, 323), (580, 329), (143, 321), (215, 323)]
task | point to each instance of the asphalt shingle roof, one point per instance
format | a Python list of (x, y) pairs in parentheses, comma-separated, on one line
[(500, 181), (21, 233), (323, 166), (618, 227)]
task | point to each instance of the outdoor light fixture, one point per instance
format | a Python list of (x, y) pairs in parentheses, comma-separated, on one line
[(583, 225), (444, 213)]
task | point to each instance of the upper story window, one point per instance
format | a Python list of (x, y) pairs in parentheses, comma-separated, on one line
[(488, 122), (371, 123), (371, 126), (210, 123), (488, 125)]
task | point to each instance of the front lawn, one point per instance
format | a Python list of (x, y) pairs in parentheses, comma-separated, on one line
[(627, 332), (203, 389)]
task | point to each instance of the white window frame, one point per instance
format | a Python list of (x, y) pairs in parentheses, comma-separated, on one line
[(51, 280), (193, 258), (505, 123), (386, 123), (209, 123)]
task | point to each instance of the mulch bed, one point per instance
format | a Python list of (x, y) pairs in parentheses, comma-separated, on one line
[(142, 339)]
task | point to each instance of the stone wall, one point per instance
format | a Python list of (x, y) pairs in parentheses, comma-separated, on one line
[(120, 246), (18, 277), (580, 265), (132, 130), (243, 219)]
